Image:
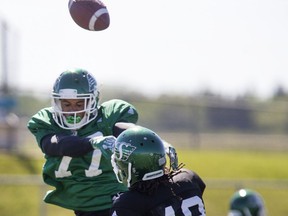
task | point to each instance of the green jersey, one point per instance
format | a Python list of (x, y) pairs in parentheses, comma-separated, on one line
[(85, 183)]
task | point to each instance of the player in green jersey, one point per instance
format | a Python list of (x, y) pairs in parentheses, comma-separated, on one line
[(76, 135)]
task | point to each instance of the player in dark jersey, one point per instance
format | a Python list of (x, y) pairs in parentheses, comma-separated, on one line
[(76, 135), (139, 162)]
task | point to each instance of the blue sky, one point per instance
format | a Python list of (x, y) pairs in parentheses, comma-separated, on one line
[(228, 46)]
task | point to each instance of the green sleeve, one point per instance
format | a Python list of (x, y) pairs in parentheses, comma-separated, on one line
[(119, 111), (42, 124)]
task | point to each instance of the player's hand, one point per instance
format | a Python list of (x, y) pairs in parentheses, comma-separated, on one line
[(105, 144), (172, 154)]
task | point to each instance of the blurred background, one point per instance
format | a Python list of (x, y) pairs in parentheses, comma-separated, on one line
[(210, 77)]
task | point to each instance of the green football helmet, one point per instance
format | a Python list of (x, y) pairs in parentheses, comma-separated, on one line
[(139, 155), (246, 202), (74, 84)]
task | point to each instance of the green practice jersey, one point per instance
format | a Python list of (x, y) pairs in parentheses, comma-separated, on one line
[(85, 183)]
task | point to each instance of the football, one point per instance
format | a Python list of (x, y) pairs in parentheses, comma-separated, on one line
[(91, 15)]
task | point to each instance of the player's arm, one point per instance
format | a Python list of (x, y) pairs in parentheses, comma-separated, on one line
[(120, 114), (120, 127), (64, 145), (172, 155), (200, 182), (194, 177)]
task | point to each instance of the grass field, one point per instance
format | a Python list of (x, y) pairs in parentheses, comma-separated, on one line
[(224, 170)]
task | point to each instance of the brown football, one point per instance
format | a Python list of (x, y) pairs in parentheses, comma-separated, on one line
[(91, 15)]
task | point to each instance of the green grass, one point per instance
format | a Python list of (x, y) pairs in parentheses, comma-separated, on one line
[(223, 171), (236, 164), (226, 171)]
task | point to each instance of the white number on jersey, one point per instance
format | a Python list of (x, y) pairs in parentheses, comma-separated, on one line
[(92, 171), (186, 204)]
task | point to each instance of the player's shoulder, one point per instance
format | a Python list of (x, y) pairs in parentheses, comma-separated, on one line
[(44, 113), (186, 174), (117, 106), (190, 176), (114, 102), (43, 119), (46, 110)]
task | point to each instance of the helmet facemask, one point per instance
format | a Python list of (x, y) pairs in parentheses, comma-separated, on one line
[(125, 171), (75, 84), (71, 119), (121, 168)]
